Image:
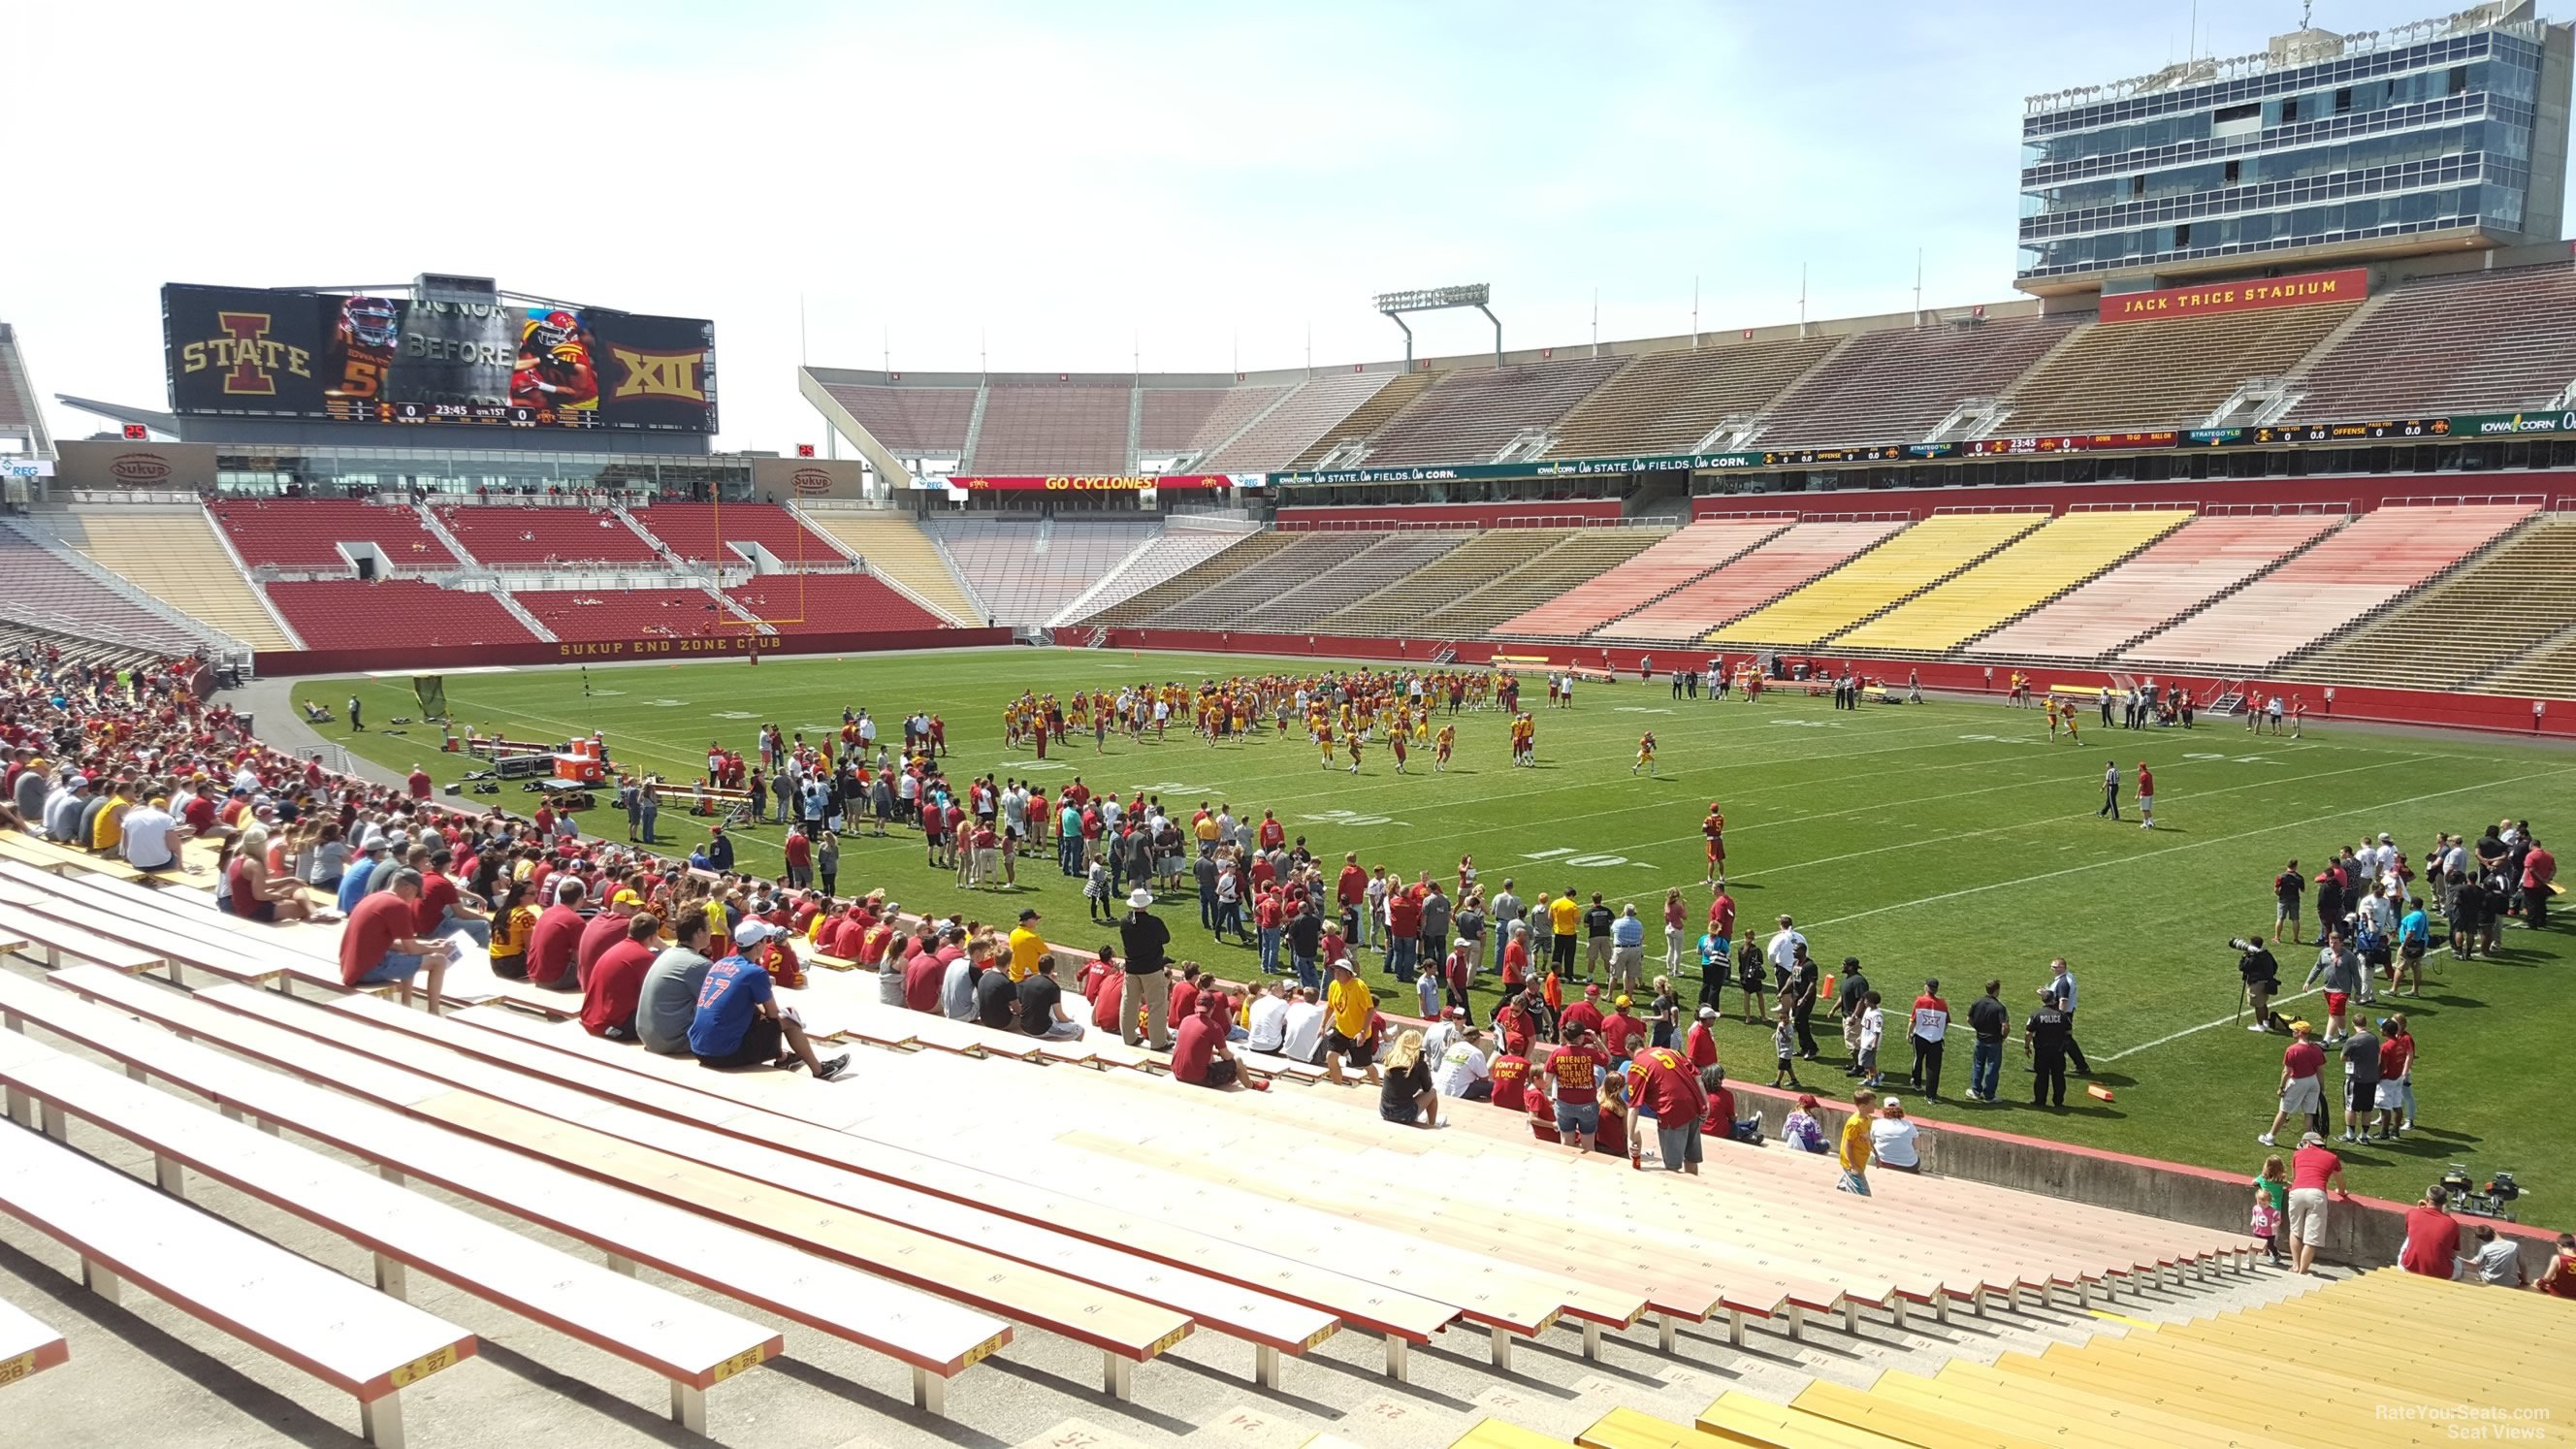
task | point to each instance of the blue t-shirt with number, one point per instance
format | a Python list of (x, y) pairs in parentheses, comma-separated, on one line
[(733, 989)]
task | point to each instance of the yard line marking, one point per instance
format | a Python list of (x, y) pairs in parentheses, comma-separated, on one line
[(2192, 845), (2204, 1026)]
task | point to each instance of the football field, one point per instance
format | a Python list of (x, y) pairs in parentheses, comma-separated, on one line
[(1951, 840)]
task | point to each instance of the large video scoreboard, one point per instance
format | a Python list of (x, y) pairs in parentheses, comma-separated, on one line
[(369, 358)]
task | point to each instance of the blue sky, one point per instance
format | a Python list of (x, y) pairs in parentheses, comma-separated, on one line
[(1057, 187)]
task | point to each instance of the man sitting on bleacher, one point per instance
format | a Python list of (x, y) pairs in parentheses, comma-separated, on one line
[(610, 998), (152, 836), (556, 939), (377, 945), (739, 1024), (667, 1004)]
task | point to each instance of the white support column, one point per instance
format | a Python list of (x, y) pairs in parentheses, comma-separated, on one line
[(929, 1393), (230, 1112), (102, 1280), (136, 1074), (178, 974), (1896, 1307), (2012, 1298), (1665, 1331), (1977, 1301), (55, 1126), (1797, 1322), (1592, 1341), (1851, 1316), (13, 1021), (619, 1263), (1501, 1338), (391, 1279), (1265, 1366), (689, 1408), (269, 1127), (22, 1108), (390, 1174), (1117, 1376), (171, 1174), (381, 1421), (2083, 1293), (1396, 1349), (1734, 1327)]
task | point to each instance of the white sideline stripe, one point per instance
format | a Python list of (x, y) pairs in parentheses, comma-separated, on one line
[(2194, 845), (2204, 1026)]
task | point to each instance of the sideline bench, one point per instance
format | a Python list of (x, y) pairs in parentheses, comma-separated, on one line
[(27, 1347), (330, 1325), (1125, 1330), (935, 1339), (693, 1346)]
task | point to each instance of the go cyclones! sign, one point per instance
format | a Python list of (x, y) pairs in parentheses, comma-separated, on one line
[(1082, 483)]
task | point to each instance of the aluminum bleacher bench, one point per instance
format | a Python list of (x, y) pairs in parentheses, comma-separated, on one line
[(693, 1346), (323, 1322), (27, 1347), (47, 855), (167, 947), (57, 939), (1126, 1330), (935, 1339)]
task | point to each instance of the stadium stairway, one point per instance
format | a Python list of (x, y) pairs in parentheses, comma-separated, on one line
[(178, 556), (1363, 421), (2477, 620), (896, 546), (1585, 553), (2031, 571), (1879, 580), (2165, 374)]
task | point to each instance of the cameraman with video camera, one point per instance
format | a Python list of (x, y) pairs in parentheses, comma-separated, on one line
[(2262, 977)]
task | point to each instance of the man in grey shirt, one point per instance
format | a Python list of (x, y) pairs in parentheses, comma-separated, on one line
[(31, 790), (63, 808), (669, 999), (1507, 910), (2340, 968), (957, 989)]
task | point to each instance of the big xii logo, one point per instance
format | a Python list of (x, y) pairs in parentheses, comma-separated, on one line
[(248, 356), (658, 374)]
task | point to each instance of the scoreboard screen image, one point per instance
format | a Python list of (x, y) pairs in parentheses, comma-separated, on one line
[(361, 358)]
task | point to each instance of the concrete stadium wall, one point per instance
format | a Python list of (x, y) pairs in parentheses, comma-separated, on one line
[(395, 656)]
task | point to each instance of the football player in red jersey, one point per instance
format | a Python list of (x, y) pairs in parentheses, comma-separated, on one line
[(363, 344), (554, 365), (1714, 827)]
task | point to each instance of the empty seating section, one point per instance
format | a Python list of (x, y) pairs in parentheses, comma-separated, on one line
[(1025, 571), (393, 615), (1665, 402), (544, 537), (177, 558), (830, 604), (1392, 557), (2196, 562), (1397, 608), (2161, 374), (1364, 420), (1193, 579), (2476, 341), (914, 422), (1173, 551), (1912, 560), (1053, 428), (1174, 419), (1223, 606), (1235, 408), (629, 613), (45, 589), (1786, 561), (1471, 412), (1674, 561), (1896, 386), (304, 533), (2381, 556), (2055, 557), (1284, 433), (896, 546), (2506, 603), (1585, 553), (2548, 672), (711, 530)]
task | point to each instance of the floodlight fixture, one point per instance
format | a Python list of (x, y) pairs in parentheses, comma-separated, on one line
[(1478, 295)]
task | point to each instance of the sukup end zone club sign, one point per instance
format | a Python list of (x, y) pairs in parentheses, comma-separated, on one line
[(2261, 294), (1082, 482)]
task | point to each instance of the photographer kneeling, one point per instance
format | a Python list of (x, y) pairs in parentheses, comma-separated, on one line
[(2262, 977)]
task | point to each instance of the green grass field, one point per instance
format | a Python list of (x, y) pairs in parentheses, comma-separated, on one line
[(1950, 840)]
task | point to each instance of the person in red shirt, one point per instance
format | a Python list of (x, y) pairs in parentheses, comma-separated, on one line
[(2432, 1237), (922, 974), (1516, 959), (1718, 1122), (1667, 1087), (1698, 1044), (1714, 828), (1574, 1073), (1928, 1031), (1541, 1106), (419, 783), (2300, 1091), (1350, 890), (1200, 1056), (2539, 869), (1582, 1016), (377, 945), (1272, 834), (555, 941), (1620, 1028), (1511, 1081), (603, 931), (2313, 1169), (799, 854), (1185, 993), (2146, 798), (616, 980)]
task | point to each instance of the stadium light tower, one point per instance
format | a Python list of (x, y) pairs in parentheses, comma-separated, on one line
[(1439, 299)]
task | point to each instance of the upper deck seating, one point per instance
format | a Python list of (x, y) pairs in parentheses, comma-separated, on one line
[(1784, 562), (2168, 374), (393, 615), (1896, 386), (712, 530), (1310, 409), (1469, 413), (304, 533), (1194, 421), (914, 422), (2475, 341), (1045, 427), (1665, 402), (2381, 556), (1673, 561), (2204, 557), (2052, 558), (508, 535), (1364, 420), (1912, 560)]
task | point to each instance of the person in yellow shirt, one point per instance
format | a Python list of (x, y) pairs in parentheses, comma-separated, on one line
[(108, 832), (1565, 924), (1856, 1152), (1348, 1007), (1026, 946)]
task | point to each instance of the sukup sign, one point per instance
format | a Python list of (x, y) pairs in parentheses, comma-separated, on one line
[(2260, 294)]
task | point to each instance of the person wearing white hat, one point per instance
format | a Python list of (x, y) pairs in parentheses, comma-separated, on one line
[(1145, 943)]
